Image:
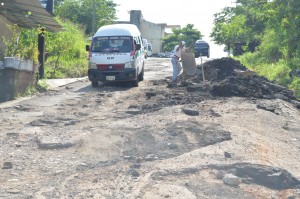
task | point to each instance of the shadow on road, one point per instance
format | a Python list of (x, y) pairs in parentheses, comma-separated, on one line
[(109, 86)]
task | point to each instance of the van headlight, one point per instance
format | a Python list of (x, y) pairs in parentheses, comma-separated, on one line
[(129, 65), (92, 65)]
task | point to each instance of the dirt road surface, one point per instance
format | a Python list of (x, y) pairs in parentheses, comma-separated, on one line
[(234, 136)]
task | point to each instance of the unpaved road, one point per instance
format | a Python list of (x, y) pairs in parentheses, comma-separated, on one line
[(153, 141)]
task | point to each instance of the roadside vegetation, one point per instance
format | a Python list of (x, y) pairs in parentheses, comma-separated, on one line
[(65, 52), (40, 87), (264, 35)]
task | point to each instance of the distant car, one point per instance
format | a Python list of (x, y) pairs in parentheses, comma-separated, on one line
[(201, 48), (161, 54), (169, 54)]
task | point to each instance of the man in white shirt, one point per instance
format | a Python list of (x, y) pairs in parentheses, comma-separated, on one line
[(175, 61)]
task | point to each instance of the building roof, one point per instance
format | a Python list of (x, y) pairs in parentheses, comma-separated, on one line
[(28, 14)]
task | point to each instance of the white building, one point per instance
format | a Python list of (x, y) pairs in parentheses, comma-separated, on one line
[(151, 31)]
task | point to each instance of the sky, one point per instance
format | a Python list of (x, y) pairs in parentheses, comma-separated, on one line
[(179, 12)]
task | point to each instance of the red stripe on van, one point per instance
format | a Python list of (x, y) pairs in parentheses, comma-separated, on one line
[(110, 66)]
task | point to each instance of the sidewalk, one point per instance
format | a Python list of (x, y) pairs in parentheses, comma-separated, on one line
[(55, 83), (52, 84)]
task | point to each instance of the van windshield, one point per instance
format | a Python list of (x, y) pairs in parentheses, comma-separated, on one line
[(201, 45), (111, 44)]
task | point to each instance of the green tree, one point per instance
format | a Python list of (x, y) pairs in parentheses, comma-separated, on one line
[(188, 34), (243, 24), (23, 43), (91, 14), (288, 19)]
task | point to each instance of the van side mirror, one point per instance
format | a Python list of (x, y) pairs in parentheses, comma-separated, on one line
[(138, 46), (87, 47)]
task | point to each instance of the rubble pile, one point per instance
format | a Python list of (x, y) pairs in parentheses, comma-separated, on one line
[(220, 69)]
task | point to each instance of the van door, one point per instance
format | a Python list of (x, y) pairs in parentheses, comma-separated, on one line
[(139, 54)]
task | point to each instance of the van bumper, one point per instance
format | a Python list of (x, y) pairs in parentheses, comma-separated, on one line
[(203, 52), (105, 76)]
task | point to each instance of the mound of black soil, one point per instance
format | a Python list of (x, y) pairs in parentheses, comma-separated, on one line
[(227, 77), (220, 69)]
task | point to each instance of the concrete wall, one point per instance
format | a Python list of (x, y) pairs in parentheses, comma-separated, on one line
[(14, 82), (153, 33), (135, 18), (150, 31)]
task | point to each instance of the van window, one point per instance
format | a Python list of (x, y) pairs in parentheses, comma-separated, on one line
[(112, 44)]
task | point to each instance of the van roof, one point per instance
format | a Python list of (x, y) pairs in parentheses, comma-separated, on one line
[(200, 41), (118, 29)]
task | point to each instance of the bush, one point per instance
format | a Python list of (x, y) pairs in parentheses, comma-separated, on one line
[(66, 55), (294, 63), (40, 87), (295, 86), (250, 60)]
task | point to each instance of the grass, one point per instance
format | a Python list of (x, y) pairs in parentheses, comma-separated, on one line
[(40, 87)]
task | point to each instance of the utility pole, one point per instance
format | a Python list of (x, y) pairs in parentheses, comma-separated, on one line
[(41, 41), (41, 48)]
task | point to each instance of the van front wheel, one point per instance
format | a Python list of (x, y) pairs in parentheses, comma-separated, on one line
[(135, 83), (94, 84), (141, 75)]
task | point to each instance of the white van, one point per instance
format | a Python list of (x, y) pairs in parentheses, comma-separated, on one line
[(116, 54)]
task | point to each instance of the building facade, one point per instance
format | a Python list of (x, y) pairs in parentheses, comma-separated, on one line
[(151, 31)]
